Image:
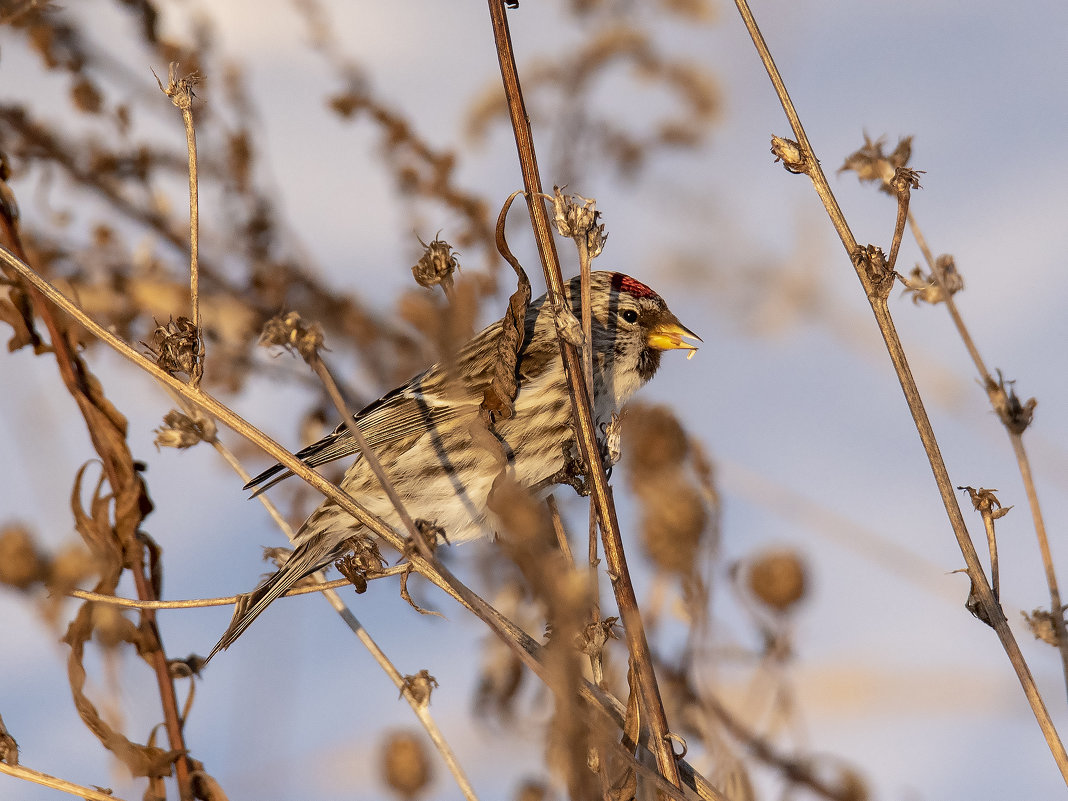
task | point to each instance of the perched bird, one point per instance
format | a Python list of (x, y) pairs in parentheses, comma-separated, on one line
[(422, 430)]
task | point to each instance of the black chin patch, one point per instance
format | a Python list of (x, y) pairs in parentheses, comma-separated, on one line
[(648, 363)]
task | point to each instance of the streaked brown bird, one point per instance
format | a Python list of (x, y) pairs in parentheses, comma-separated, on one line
[(422, 430)]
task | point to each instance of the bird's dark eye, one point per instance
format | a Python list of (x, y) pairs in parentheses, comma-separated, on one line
[(630, 315)]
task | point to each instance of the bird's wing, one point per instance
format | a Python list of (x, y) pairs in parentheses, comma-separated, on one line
[(406, 412)]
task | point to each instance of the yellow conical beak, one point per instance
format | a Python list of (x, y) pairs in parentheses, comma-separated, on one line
[(672, 335)]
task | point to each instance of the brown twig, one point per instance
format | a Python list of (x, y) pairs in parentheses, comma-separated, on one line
[(586, 434), (126, 486), (229, 600), (876, 283), (55, 783), (180, 91)]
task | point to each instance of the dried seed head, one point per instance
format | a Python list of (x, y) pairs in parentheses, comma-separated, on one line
[(362, 561), (777, 579), (986, 502), (21, 564), (790, 154), (532, 790), (905, 180), (431, 533), (1015, 415), (69, 568), (673, 521), (175, 346), (179, 90), (928, 289), (289, 331), (406, 768), (655, 440), (436, 265), (595, 636), (420, 686), (872, 261), (179, 430), (872, 165), (1042, 626), (576, 217)]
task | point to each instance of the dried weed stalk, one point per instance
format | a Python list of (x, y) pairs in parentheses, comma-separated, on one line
[(941, 285), (877, 276)]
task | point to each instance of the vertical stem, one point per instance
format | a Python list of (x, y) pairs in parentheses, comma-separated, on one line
[(194, 230), (1056, 607), (589, 449), (66, 361)]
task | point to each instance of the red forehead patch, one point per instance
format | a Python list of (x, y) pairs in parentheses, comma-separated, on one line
[(624, 283)]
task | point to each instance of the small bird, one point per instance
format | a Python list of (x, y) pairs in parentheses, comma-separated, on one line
[(422, 430)]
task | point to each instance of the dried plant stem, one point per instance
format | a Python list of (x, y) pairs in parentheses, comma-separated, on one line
[(585, 268), (876, 292), (73, 380), (992, 544), (947, 297), (899, 227), (180, 91), (194, 237), (994, 392), (560, 531), (637, 643), (1056, 608), (230, 600), (45, 780)]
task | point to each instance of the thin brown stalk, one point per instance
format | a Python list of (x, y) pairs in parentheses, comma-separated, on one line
[(73, 380), (992, 544), (995, 392), (951, 305), (229, 600), (180, 91), (586, 435), (877, 288), (55, 783), (558, 529), (1056, 608), (903, 196)]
